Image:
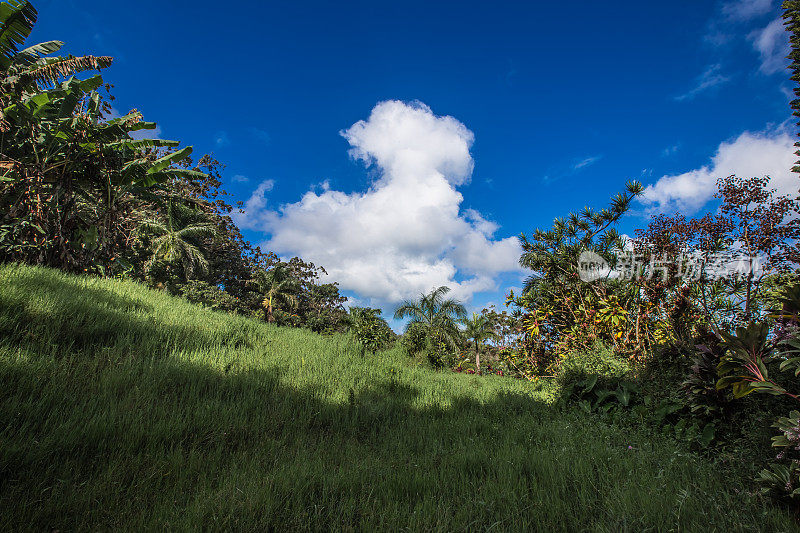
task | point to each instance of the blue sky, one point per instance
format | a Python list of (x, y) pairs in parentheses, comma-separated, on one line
[(479, 120)]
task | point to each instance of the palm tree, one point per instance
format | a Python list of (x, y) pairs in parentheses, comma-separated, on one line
[(479, 329), (279, 287), (436, 315), (176, 239)]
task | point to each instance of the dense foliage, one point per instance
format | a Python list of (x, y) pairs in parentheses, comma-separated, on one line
[(690, 327), (80, 190)]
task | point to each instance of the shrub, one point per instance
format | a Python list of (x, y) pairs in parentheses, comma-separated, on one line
[(370, 329), (596, 379), (599, 361), (203, 293), (415, 340), (702, 396)]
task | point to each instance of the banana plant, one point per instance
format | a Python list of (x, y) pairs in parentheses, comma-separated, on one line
[(72, 179)]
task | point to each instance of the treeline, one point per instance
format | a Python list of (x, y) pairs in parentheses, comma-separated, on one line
[(83, 190)]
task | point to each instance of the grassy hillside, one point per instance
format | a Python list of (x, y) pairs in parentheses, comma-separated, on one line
[(125, 407)]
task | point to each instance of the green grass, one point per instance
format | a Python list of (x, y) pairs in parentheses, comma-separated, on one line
[(122, 407)]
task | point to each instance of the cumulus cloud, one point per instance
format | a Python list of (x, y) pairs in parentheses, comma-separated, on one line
[(772, 44), (405, 234), (750, 154)]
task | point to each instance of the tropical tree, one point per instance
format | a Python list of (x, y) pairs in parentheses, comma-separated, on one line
[(177, 239), (436, 316), (559, 309), (370, 328), (279, 288), (478, 329), (552, 254), (72, 183), (29, 70)]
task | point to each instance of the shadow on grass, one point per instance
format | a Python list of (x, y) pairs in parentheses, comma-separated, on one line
[(159, 442), (185, 446), (97, 443)]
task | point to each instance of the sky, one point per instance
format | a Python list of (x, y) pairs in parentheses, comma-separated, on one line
[(403, 146)]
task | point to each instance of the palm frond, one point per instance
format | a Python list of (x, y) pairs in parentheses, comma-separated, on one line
[(153, 226), (197, 231)]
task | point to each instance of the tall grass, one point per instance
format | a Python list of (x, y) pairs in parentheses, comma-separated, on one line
[(122, 407)]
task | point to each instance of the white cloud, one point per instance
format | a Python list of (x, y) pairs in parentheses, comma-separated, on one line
[(240, 178), (147, 134), (407, 233), (255, 216), (750, 154), (729, 23), (742, 10), (586, 162), (772, 44), (711, 77), (155, 133)]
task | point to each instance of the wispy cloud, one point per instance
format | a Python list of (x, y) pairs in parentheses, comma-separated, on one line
[(743, 10), (772, 45), (726, 24), (669, 150), (586, 162), (710, 78), (240, 178), (221, 138), (570, 169), (138, 134), (511, 73), (147, 134), (261, 135)]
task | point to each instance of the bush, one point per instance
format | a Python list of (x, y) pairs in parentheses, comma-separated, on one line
[(200, 292), (370, 329), (596, 379), (599, 361), (414, 340)]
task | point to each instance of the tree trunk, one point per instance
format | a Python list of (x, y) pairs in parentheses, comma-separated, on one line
[(749, 292), (477, 358), (268, 309)]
